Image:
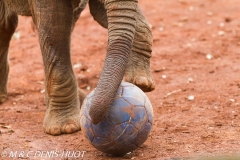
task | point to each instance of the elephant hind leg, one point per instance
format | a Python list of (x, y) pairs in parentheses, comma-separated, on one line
[(8, 24)]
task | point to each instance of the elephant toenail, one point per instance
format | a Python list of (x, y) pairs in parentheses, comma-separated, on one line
[(127, 79), (70, 128), (2, 98), (153, 86), (142, 81), (55, 130)]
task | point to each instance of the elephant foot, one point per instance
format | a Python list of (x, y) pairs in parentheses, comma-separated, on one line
[(138, 72), (57, 122), (3, 98)]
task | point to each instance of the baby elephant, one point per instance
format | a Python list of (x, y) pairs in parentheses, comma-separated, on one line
[(128, 54)]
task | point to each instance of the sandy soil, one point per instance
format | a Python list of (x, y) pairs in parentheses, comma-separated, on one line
[(195, 63)]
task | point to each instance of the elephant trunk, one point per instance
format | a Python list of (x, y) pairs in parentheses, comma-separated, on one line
[(121, 30)]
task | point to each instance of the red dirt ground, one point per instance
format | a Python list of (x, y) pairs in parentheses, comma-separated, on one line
[(196, 52)]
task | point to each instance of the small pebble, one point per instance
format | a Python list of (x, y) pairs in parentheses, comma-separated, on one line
[(222, 24), (78, 65), (190, 80), (212, 71), (160, 70), (191, 98), (209, 56), (161, 29), (16, 35), (164, 76), (184, 19), (11, 131), (42, 91), (221, 33)]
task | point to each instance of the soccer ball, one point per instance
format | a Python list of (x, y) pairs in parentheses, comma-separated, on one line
[(127, 124)]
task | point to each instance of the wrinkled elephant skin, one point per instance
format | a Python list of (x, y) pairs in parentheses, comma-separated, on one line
[(128, 54)]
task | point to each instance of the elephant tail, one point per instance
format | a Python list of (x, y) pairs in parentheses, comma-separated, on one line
[(98, 12)]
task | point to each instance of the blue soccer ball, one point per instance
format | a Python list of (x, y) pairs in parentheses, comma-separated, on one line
[(127, 125)]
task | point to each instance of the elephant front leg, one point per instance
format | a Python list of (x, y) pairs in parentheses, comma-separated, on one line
[(138, 67), (8, 24), (54, 20)]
